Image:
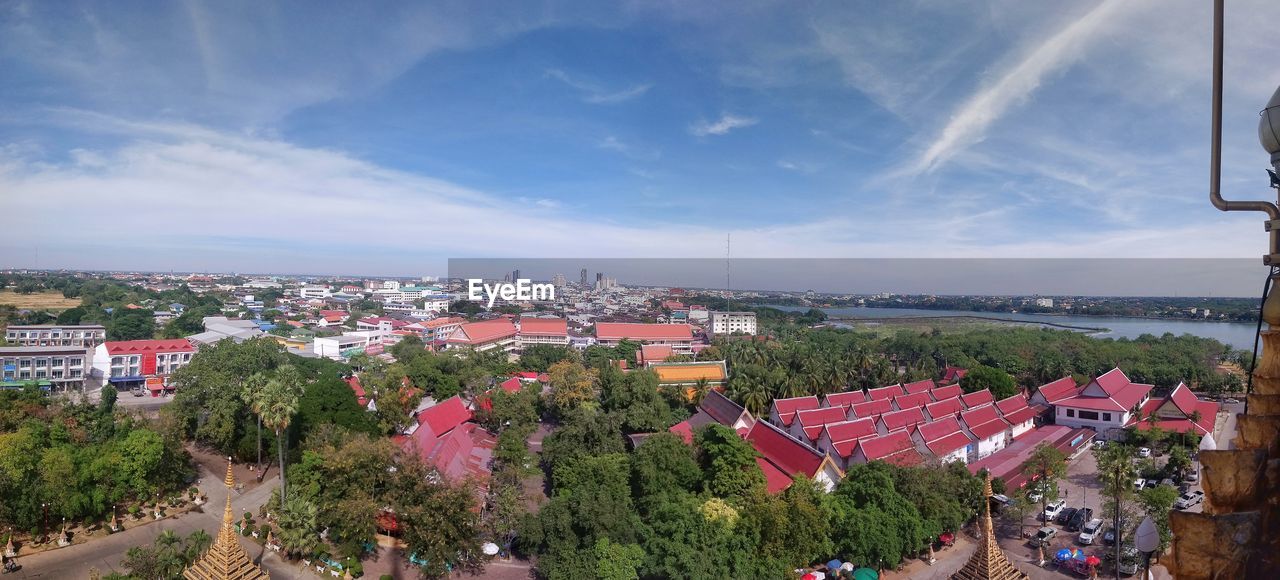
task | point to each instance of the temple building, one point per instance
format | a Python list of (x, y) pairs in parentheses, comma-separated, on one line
[(988, 562), (226, 559)]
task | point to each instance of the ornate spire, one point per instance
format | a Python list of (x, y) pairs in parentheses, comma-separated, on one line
[(225, 560), (988, 562)]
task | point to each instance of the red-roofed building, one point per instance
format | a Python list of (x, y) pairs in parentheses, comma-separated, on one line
[(918, 386), (1107, 404), (1015, 411), (554, 331), (652, 353), (381, 323), (679, 336), (436, 329), (944, 439), (977, 398), (845, 399), (1008, 463), (896, 448), (684, 430), (885, 393), (775, 480), (354, 382), (987, 428), (912, 401), (904, 419), (441, 418), (839, 439), (133, 363), (791, 456), (808, 423), (946, 392), (1050, 393), (1180, 412), (870, 409), (498, 333), (783, 411), (944, 408), (952, 375), (462, 453)]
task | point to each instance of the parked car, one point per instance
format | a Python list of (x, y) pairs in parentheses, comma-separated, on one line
[(1099, 444), (1129, 561), (1053, 509), (1193, 476), (1232, 401), (1109, 537), (1151, 483), (1144, 452), (1168, 482), (1139, 483), (1043, 537), (1189, 499), (1065, 515), (1079, 519), (139, 392), (1089, 531)]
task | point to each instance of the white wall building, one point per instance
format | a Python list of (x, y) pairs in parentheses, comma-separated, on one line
[(85, 335), (733, 322)]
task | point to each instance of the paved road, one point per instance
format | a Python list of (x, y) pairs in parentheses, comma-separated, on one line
[(106, 553)]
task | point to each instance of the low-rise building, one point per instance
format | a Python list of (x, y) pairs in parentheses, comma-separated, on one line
[(346, 345), (1180, 412), (82, 335), (1107, 404), (62, 366), (896, 448), (988, 430), (838, 440), (135, 363), (945, 439), (1021, 418), (498, 333), (782, 457), (733, 323), (679, 336), (783, 411), (552, 331)]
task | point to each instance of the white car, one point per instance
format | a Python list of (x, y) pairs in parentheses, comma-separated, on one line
[(1090, 531), (1044, 536), (1139, 483), (1144, 452), (1193, 476), (1053, 509), (1189, 499)]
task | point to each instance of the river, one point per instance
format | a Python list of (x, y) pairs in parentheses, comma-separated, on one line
[(1238, 335)]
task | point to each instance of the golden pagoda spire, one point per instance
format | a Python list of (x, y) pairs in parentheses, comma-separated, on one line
[(226, 559), (988, 562)]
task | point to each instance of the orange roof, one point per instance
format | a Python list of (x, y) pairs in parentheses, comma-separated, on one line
[(638, 331), (551, 326), (144, 346), (689, 373), (483, 332)]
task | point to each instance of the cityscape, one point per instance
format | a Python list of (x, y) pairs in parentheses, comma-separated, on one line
[(637, 291)]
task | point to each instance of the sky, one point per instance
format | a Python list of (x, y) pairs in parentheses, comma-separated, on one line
[(385, 138)]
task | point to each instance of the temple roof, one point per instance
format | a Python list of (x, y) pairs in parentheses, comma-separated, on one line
[(226, 559), (988, 562)]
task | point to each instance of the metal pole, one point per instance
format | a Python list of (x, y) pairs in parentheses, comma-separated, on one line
[(1146, 569)]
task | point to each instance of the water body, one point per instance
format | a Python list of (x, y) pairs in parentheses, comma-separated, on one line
[(1238, 335)]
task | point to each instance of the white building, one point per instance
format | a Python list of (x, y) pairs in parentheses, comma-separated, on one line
[(63, 366), (1044, 302), (314, 292), (1105, 405), (733, 322), (85, 335), (343, 346)]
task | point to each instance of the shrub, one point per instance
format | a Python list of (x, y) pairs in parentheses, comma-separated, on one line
[(247, 530)]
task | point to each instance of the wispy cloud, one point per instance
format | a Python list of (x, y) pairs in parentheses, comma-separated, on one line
[(596, 94), (969, 122), (722, 126)]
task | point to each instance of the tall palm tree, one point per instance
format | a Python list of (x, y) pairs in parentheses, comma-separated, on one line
[(251, 394), (297, 526), (197, 543), (700, 390), (280, 404)]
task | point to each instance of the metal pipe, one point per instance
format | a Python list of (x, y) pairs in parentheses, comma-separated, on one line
[(1215, 155)]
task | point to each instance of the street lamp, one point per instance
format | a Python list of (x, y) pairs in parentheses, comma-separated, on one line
[(1146, 539)]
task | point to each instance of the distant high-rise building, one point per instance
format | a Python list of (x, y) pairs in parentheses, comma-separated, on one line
[(558, 281), (515, 274), (583, 275)]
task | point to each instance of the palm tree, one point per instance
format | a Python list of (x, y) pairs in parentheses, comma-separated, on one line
[(700, 390), (297, 526), (251, 394), (168, 553), (280, 404), (197, 543)]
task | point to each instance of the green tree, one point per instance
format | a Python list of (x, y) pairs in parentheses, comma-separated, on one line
[(728, 463), (617, 561), (982, 377), (1044, 468), (281, 396), (1158, 503), (296, 522), (437, 520), (131, 324)]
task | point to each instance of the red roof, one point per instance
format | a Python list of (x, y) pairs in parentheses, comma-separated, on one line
[(944, 407), (1010, 404), (912, 401), (354, 382), (918, 386), (850, 430), (1121, 394), (902, 419), (1208, 416), (812, 420), (1020, 416), (953, 374), (885, 393), (1183, 398), (979, 415), (655, 352), (787, 408), (511, 385), (871, 408), (896, 448), (465, 452), (784, 451), (939, 428), (845, 399), (684, 430), (774, 479), (947, 444), (988, 429), (444, 416), (977, 398), (1059, 389), (483, 332), (544, 326), (946, 392), (1113, 381), (638, 331), (149, 346)]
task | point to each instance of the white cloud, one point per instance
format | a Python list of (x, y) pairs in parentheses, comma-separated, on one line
[(726, 123), (596, 94)]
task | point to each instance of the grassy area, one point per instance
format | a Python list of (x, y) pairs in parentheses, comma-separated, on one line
[(887, 328), (47, 300)]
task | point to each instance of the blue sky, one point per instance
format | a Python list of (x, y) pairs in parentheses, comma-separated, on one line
[(354, 138)]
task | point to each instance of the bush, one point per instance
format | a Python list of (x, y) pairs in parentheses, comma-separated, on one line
[(247, 530), (248, 517), (386, 577)]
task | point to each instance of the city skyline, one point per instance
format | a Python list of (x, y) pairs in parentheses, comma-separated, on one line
[(210, 136)]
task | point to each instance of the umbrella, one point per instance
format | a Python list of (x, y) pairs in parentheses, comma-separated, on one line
[(865, 574), (489, 549), (1092, 561), (1063, 554), (833, 564), (946, 538), (847, 566), (1079, 554), (809, 576)]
